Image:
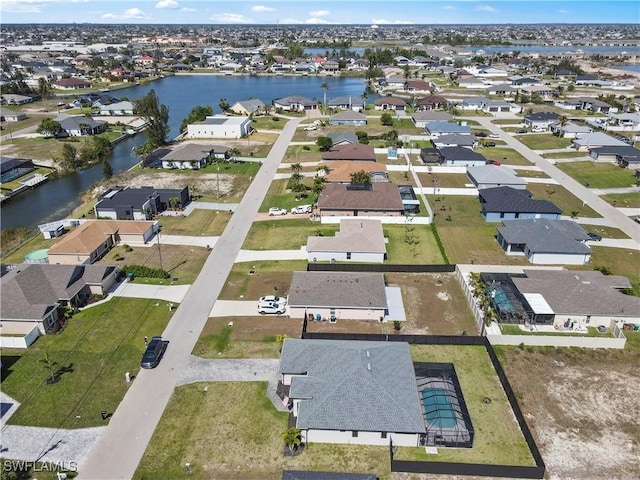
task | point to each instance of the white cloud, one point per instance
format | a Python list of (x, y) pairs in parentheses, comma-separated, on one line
[(188, 9), (563, 11), (230, 18), (128, 14), (14, 6), (319, 13), (449, 7), (486, 8), (262, 9), (167, 4), (384, 21), (290, 21), (317, 21)]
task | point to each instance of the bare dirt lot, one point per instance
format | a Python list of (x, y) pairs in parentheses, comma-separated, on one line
[(582, 406)]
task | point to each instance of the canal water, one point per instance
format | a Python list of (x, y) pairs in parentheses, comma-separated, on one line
[(59, 196)]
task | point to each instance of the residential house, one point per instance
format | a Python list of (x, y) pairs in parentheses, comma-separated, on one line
[(7, 115), (373, 200), (94, 238), (16, 99), (507, 203), (33, 293), (190, 156), (586, 103), (500, 90), (577, 299), (12, 168), (435, 129), (349, 117), (430, 155), (79, 125), (541, 120), (346, 103), (460, 157), (352, 392), (351, 151), (625, 156), (569, 130), (358, 240), (587, 141), (248, 107), (545, 92), (469, 81), (518, 81), (220, 126), (543, 241), (591, 81), (117, 108), (295, 103), (340, 171), (342, 138), (418, 87), (473, 103), (139, 203), (71, 84), (455, 140), (432, 102), (625, 121), (330, 67), (486, 71), (500, 106), (421, 118), (390, 103), (491, 176)]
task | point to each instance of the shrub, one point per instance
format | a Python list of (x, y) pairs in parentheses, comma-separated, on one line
[(144, 272)]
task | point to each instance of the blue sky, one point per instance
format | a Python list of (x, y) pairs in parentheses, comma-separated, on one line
[(319, 12)]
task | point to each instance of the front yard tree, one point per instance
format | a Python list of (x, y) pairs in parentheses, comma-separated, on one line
[(224, 105), (156, 116), (386, 119), (325, 143), (50, 365), (292, 438), (318, 185), (296, 167), (197, 114), (361, 178), (49, 128)]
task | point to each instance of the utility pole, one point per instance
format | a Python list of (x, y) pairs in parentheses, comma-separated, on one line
[(218, 179), (159, 251)]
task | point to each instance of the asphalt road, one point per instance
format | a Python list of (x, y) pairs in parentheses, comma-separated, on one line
[(119, 450), (617, 218)]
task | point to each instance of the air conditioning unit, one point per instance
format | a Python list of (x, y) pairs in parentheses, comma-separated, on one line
[(333, 319)]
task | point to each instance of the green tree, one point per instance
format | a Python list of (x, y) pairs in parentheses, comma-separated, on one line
[(156, 117), (361, 178), (224, 105), (364, 97), (197, 114), (292, 438), (318, 185), (386, 119), (96, 150), (107, 169), (234, 153), (296, 167), (44, 88), (324, 143), (69, 159), (50, 365), (49, 128)]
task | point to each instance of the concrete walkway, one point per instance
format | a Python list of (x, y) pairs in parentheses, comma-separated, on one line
[(240, 308), (225, 207), (188, 240), (117, 453), (170, 293)]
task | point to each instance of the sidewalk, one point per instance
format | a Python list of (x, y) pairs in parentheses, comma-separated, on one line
[(173, 293)]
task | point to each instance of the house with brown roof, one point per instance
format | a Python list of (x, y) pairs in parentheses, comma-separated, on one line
[(358, 240), (338, 295), (71, 84), (389, 103), (340, 170), (432, 102), (352, 152), (376, 199), (94, 238), (418, 86)]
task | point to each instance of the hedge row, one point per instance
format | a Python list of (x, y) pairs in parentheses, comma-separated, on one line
[(144, 272)]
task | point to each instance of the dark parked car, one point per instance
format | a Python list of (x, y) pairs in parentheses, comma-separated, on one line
[(153, 353), (490, 144), (480, 134), (521, 131), (594, 236)]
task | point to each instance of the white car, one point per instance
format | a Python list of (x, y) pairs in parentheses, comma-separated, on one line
[(310, 128), (494, 135), (275, 308), (301, 209), (277, 211), (273, 299)]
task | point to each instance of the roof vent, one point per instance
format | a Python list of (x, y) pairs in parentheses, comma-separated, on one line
[(368, 354), (369, 366)]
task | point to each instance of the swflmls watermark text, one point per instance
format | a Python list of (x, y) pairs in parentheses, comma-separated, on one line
[(31, 466)]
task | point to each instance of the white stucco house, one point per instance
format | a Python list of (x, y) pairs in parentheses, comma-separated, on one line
[(356, 241), (220, 126), (352, 392)]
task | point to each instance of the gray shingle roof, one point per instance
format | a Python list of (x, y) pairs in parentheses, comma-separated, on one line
[(514, 200), (381, 196), (447, 127), (348, 115), (496, 174), (460, 154), (189, 151), (354, 236), (339, 137), (337, 290), (363, 386), (580, 292), (546, 236)]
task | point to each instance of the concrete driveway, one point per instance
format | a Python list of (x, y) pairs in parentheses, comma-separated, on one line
[(170, 293), (239, 308)]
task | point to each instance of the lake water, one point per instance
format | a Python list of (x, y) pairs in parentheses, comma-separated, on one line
[(58, 197), (631, 68)]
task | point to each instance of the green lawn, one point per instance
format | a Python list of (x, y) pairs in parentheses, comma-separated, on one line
[(599, 175), (531, 173), (251, 280), (268, 123), (443, 180), (199, 222), (411, 244), (627, 200), (505, 155), (564, 155), (543, 141), (564, 199), (498, 439), (619, 261), (290, 234), (507, 122), (278, 196), (229, 168), (37, 242), (516, 330), (96, 348), (232, 432)]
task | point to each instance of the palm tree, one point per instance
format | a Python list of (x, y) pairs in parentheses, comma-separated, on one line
[(364, 97), (292, 438), (296, 168), (234, 153), (50, 365), (325, 87)]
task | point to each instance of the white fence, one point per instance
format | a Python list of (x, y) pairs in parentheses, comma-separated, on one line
[(65, 222), (390, 220), (20, 342)]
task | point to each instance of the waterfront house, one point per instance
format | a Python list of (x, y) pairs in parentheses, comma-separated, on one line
[(71, 84), (79, 125), (191, 156), (220, 126), (139, 203), (248, 107), (295, 103)]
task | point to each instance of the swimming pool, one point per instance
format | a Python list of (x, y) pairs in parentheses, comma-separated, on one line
[(438, 408), (37, 256), (501, 300)]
